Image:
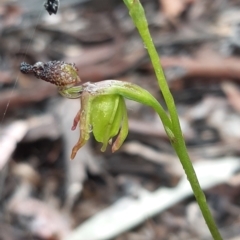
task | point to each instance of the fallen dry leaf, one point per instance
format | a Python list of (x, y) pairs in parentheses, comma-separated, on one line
[(233, 94), (174, 8), (44, 221)]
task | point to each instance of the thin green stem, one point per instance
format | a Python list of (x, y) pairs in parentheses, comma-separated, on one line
[(137, 13)]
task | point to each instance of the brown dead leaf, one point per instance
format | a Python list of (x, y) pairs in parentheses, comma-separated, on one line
[(172, 9), (207, 67), (45, 222), (233, 94), (9, 137)]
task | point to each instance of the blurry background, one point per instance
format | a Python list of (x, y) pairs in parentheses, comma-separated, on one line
[(139, 192)]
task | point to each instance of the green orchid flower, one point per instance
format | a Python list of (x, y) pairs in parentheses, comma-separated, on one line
[(105, 116), (103, 110)]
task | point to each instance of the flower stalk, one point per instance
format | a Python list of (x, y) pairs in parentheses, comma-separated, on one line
[(137, 14)]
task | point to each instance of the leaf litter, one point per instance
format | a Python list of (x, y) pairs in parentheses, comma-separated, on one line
[(199, 46)]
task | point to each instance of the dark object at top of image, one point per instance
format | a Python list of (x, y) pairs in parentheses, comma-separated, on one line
[(51, 6)]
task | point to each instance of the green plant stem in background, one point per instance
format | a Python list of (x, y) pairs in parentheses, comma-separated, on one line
[(137, 14)]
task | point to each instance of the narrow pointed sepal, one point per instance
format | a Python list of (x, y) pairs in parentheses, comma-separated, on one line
[(85, 125)]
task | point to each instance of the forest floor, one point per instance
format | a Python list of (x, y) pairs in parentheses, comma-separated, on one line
[(140, 192)]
